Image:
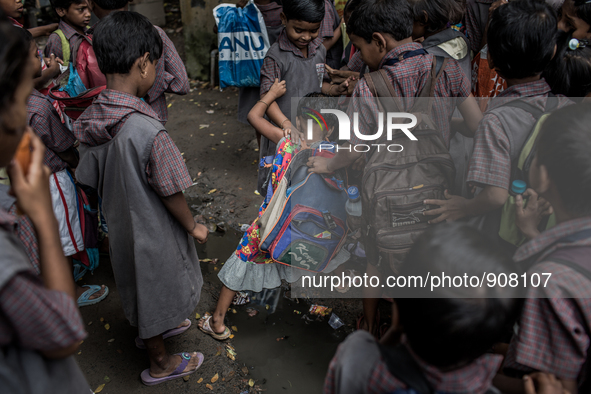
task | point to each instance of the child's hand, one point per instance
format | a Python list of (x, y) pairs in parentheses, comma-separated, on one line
[(296, 136), (336, 76), (53, 65), (451, 209), (343, 88), (546, 384), (200, 233), (277, 90), (319, 165), (529, 217), (32, 190)]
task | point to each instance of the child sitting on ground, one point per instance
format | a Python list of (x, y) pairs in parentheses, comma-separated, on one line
[(74, 19), (41, 328), (249, 268), (554, 328), (59, 155), (171, 75), (490, 167), (445, 337), (127, 155)]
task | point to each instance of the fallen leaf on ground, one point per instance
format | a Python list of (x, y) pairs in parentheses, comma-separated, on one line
[(245, 370), (234, 328), (251, 382), (203, 126), (107, 379), (200, 380), (209, 386), (169, 105), (102, 319), (107, 326), (215, 378), (186, 378), (234, 310), (197, 316), (212, 191), (209, 111), (99, 388), (111, 340), (231, 336)]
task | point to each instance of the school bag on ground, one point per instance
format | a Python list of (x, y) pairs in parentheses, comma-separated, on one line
[(523, 149), (242, 44), (304, 225), (395, 185), (82, 82)]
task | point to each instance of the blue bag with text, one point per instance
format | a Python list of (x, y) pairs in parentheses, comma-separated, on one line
[(242, 44), (306, 225)]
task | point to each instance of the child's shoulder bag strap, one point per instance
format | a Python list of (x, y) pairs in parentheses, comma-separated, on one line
[(65, 47)]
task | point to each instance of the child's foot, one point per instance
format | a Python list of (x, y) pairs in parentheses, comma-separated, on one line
[(91, 294), (174, 362), (178, 365), (216, 331)]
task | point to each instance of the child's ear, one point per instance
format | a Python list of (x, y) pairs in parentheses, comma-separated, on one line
[(379, 40), (329, 132), (143, 64), (283, 19), (61, 12), (543, 182)]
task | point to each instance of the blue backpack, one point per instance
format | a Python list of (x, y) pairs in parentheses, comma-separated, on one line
[(308, 225)]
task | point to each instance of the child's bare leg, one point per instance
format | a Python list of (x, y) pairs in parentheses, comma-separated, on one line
[(224, 302), (163, 364)]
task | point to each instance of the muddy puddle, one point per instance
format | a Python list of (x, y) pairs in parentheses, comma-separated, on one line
[(284, 348)]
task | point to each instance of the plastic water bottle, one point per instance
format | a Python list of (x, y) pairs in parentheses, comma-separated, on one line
[(353, 207)]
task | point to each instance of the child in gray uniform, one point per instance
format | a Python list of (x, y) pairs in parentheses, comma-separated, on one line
[(40, 325), (127, 155), (298, 58)]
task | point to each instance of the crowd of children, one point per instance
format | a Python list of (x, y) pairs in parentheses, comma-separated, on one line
[(521, 159)]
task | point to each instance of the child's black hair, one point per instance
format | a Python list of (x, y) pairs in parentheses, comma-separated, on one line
[(437, 14), (27, 36), (351, 6), (121, 38), (310, 105), (563, 148), (393, 17), (65, 4), (521, 38), (456, 325), (569, 73), (14, 58), (111, 4), (311, 11)]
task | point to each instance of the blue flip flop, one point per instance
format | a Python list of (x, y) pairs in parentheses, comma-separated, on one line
[(84, 299)]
